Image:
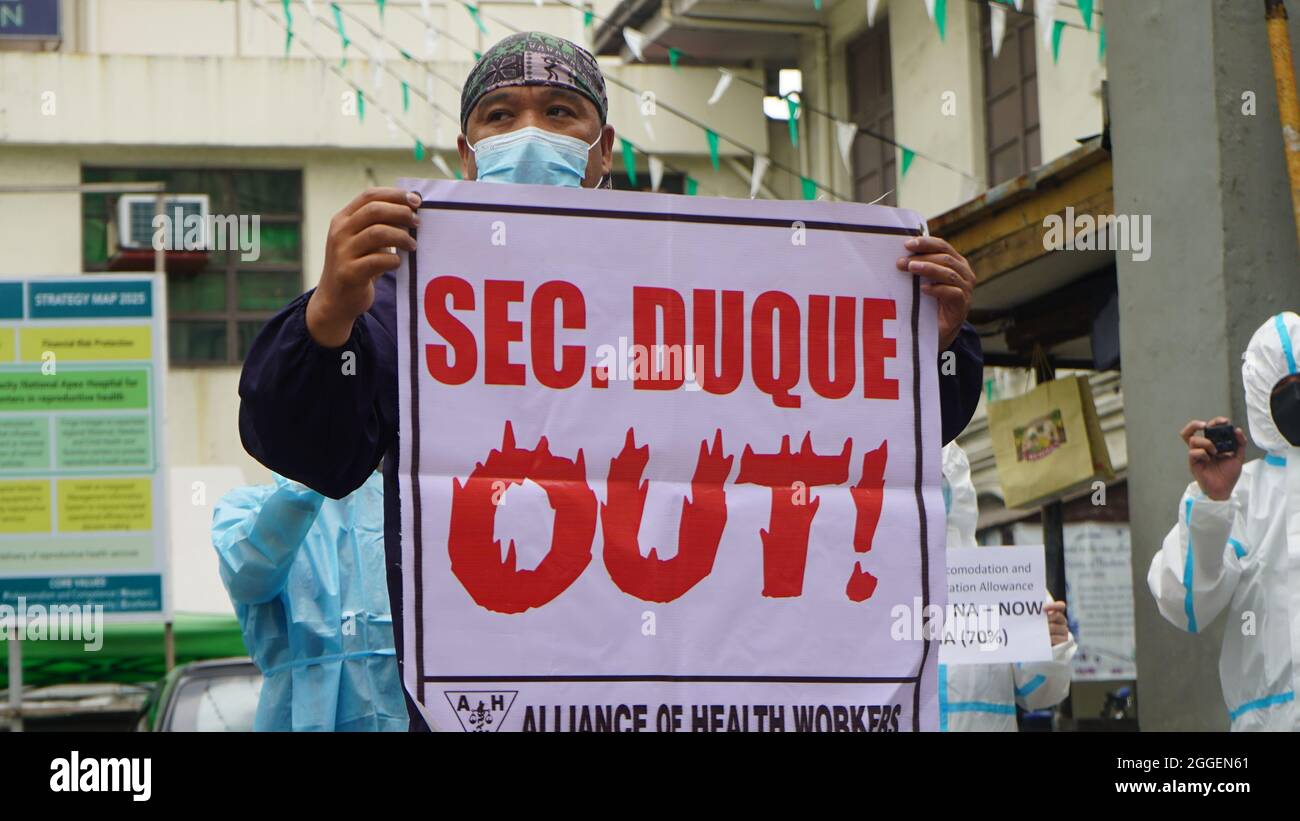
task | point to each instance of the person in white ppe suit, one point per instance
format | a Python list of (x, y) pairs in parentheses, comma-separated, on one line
[(983, 697), (1236, 546)]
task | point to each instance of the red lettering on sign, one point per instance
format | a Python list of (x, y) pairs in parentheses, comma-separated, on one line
[(868, 498), (574, 316), (647, 303), (821, 340), (704, 515), (499, 330), (459, 338), (791, 477), (776, 382), (876, 348), (731, 352), (476, 555)]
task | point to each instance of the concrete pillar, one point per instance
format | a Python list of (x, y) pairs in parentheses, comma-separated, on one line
[(1224, 258)]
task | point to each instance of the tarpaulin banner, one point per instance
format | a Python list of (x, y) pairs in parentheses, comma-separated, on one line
[(667, 463)]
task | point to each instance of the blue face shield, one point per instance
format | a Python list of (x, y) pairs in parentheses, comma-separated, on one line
[(534, 156)]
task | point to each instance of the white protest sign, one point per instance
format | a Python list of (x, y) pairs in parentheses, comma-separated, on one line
[(667, 463), (996, 600)]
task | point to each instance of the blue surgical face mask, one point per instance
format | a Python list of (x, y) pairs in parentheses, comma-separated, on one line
[(532, 155)]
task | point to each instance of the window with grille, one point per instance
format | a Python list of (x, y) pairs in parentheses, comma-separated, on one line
[(1012, 140), (871, 106), (214, 314)]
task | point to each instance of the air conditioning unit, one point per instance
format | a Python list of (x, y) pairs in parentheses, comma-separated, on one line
[(135, 222)]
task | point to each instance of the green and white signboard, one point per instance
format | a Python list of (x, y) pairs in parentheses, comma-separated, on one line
[(83, 517)]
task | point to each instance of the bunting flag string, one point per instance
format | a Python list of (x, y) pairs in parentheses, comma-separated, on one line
[(845, 132), (712, 135), (428, 97)]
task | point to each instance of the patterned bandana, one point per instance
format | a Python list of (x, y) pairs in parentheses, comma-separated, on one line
[(532, 58)]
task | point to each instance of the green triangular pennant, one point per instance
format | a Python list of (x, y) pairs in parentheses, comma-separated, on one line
[(343, 37), (1101, 45), (941, 17), (587, 17), (817, 4), (406, 97), (288, 26), (629, 160), (381, 3), (712, 137), (673, 56), (908, 156), (478, 55), (478, 21), (1057, 28), (1085, 9), (361, 106), (792, 105), (809, 188), (692, 186), (419, 150)]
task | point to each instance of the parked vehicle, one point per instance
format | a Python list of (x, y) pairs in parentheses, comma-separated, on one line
[(219, 695)]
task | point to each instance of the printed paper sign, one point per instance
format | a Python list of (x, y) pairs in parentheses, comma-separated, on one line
[(82, 496), (1100, 594), (996, 600), (667, 463)]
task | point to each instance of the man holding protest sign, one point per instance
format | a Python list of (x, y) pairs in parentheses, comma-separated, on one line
[(320, 384)]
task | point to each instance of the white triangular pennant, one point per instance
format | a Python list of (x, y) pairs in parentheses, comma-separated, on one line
[(721, 87), (441, 165), (756, 176), (997, 26), (635, 42), (1046, 11), (424, 7), (430, 42), (392, 126), (311, 8), (649, 130), (428, 86), (929, 9), (1020, 5), (845, 134), (872, 6), (656, 172)]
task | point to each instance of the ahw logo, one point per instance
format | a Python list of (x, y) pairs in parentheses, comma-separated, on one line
[(481, 711)]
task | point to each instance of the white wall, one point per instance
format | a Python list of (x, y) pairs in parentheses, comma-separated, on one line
[(925, 67), (1069, 92)]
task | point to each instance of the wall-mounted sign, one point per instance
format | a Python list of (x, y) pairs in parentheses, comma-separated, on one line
[(29, 19)]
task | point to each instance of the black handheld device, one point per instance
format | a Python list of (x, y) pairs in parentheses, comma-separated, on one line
[(1223, 437)]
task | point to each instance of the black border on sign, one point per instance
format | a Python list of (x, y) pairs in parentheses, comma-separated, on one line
[(652, 216)]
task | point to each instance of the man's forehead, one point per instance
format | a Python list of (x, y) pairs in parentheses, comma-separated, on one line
[(532, 93)]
